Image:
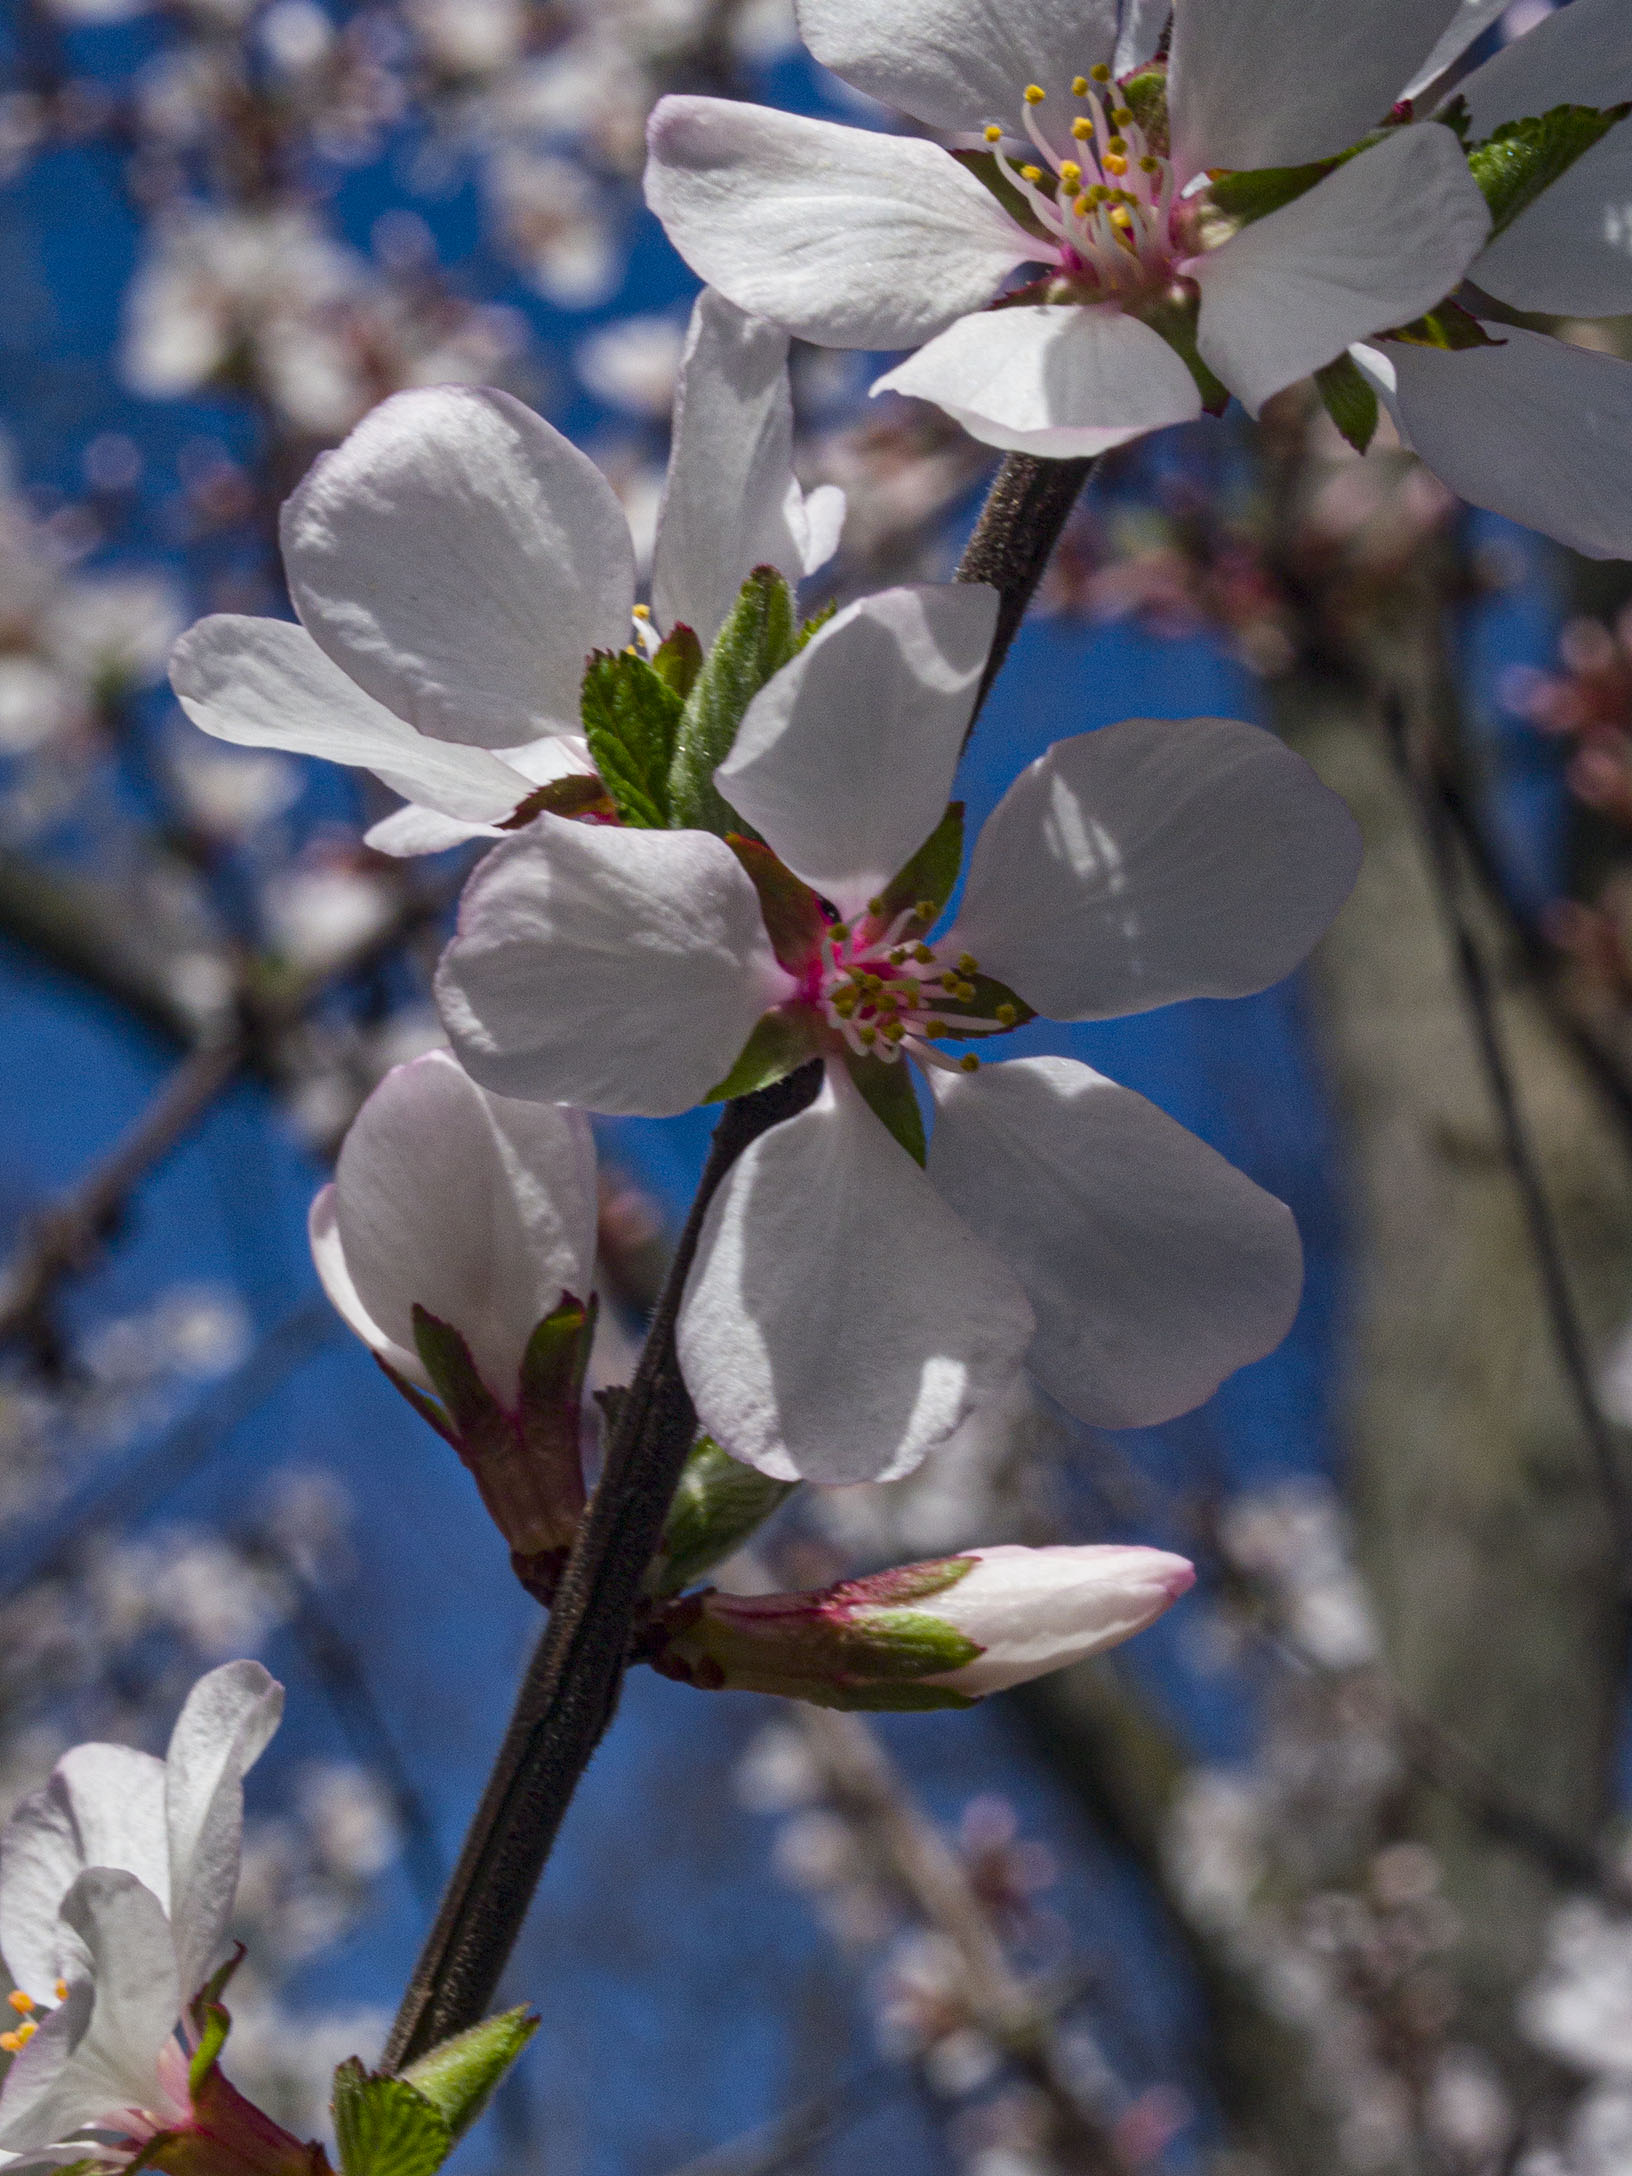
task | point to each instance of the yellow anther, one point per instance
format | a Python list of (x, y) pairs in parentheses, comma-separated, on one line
[(894, 1032), (1122, 219), (1122, 117), (867, 1037), (843, 1003), (629, 650), (641, 611), (992, 133), (968, 1063), (1082, 128), (1033, 174), (20, 2001), (1071, 174), (1035, 94), (900, 956), (1079, 86), (1115, 165), (14, 2042), (839, 933), (1101, 74), (922, 954), (1083, 206), (875, 906), (935, 1027), (1117, 146), (1099, 194), (965, 993), (62, 1990), (924, 911), (1149, 165), (1008, 1015), (968, 964)]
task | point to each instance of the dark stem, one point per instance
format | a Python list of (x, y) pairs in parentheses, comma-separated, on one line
[(571, 1687), (1028, 505)]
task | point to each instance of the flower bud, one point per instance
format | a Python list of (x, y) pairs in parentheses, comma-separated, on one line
[(930, 1635)]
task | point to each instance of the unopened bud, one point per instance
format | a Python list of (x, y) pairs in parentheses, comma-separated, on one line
[(929, 1635)]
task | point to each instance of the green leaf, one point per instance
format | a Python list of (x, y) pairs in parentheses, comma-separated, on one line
[(927, 879), (888, 1093), (814, 625), (718, 1504), (679, 659), (756, 641), (1255, 192), (779, 1045), (385, 2126), (1525, 157), (983, 165), (472, 1410), (458, 2078), (581, 795), (1351, 400), (1447, 326), (631, 717), (792, 913)]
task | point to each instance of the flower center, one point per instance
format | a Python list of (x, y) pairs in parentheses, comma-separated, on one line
[(1107, 202), (885, 995)]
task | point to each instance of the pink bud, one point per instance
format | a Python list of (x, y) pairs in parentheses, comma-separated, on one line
[(1035, 1610)]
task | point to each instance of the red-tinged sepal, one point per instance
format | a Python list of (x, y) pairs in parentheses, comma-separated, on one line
[(225, 2134), (793, 915)]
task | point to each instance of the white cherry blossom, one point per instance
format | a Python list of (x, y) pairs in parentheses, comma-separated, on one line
[(117, 1882), (849, 1307), (456, 560)]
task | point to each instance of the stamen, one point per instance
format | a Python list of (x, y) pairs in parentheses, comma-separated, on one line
[(1035, 94), (1079, 86), (992, 133), (1100, 74), (968, 1063)]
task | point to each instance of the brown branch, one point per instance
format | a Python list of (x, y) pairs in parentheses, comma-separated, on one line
[(1028, 505)]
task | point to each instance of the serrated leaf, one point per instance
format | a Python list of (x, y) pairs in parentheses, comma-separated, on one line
[(459, 2077), (631, 717), (1255, 192), (385, 2126), (756, 642), (1523, 158), (792, 913), (717, 1505), (1350, 399), (927, 879), (582, 794), (779, 1045), (470, 1406), (814, 625), (887, 1090)]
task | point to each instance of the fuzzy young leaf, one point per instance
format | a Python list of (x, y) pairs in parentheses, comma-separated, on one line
[(1257, 191), (385, 2126), (778, 1046), (927, 879), (1351, 400), (459, 2077), (1525, 157), (888, 1093), (679, 659), (717, 1505), (631, 717), (757, 640)]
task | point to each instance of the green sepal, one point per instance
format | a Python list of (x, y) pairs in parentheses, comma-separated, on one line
[(583, 794), (1447, 326), (1175, 313), (717, 1505), (213, 2027), (756, 642), (631, 718), (459, 2077), (386, 2127), (679, 659), (553, 1368), (779, 1045), (1257, 191), (905, 1583), (909, 1643), (427, 1408), (1145, 96), (983, 165), (1350, 399), (472, 1411), (887, 1090), (792, 913), (217, 1984), (1525, 157), (927, 879), (990, 995)]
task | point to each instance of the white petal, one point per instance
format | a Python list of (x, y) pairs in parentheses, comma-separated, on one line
[(1153, 861), (1571, 252), (135, 2003), (726, 502), (1375, 244), (415, 830), (39, 1863), (1154, 1267), (845, 759), (1470, 22), (840, 1321), (1140, 37), (816, 519), (1533, 429), (618, 970), (115, 1799), (460, 559), (221, 1732), (1057, 379), (1034, 1610), (959, 64), (1281, 82), (329, 1256), (266, 684), (837, 235), (28, 2105), (477, 1207)]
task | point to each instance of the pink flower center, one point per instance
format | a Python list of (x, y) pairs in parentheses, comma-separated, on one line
[(885, 995), (1101, 194)]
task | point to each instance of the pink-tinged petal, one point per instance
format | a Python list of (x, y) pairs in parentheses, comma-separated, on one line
[(1282, 82), (459, 559), (618, 970), (476, 1207), (1036, 1610), (1058, 379), (1385, 237), (222, 1730), (844, 762), (1154, 1268), (730, 503), (266, 684), (1533, 429), (1153, 861), (838, 235), (1570, 254), (959, 64), (840, 1320), (329, 1258)]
